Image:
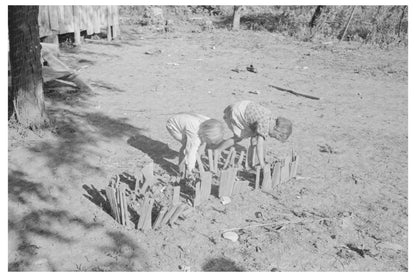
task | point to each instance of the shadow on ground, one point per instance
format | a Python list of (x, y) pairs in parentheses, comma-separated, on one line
[(36, 222), (156, 150), (76, 132), (221, 264), (35, 215), (97, 197)]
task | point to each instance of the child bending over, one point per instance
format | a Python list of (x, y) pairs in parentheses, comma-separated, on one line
[(194, 132), (247, 119)]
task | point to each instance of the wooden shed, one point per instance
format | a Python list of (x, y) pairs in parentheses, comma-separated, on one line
[(54, 20)]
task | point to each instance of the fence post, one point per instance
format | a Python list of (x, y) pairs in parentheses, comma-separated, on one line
[(77, 32)]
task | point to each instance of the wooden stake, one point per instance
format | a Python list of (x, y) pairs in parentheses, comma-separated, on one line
[(257, 177), (197, 198), (139, 179), (246, 166), (168, 215), (231, 180), (267, 179), (210, 159), (240, 159), (148, 220), (160, 217), (276, 174), (120, 205), (109, 191), (284, 171), (222, 183), (175, 215), (215, 162), (227, 182), (287, 163), (206, 181), (142, 213), (200, 164), (147, 172), (236, 187), (124, 203), (176, 194), (295, 171), (227, 160), (232, 158), (255, 159), (186, 212)]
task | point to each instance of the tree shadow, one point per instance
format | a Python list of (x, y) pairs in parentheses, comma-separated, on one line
[(36, 222), (221, 264), (83, 51), (128, 256), (57, 92), (76, 132), (42, 219), (104, 85), (156, 150)]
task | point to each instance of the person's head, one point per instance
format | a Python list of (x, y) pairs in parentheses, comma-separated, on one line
[(211, 131), (282, 129)]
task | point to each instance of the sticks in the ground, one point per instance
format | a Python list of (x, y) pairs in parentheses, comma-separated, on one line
[(295, 93), (210, 160), (258, 168)]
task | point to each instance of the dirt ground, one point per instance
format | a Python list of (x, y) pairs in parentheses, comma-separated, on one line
[(57, 219)]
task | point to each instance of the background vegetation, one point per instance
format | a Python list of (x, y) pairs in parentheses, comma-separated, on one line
[(381, 25)]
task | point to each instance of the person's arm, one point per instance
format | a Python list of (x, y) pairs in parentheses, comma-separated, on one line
[(201, 148), (227, 143), (260, 150)]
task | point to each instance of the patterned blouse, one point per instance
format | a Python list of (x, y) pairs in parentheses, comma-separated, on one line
[(258, 118)]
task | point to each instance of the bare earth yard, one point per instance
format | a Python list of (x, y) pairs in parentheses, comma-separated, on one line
[(56, 216)]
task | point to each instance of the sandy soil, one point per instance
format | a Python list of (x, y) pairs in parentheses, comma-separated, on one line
[(57, 216)]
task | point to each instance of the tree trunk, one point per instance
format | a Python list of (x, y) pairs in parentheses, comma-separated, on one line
[(236, 17), (315, 17), (317, 21), (26, 68)]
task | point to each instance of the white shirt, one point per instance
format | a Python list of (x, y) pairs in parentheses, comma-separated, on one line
[(184, 127)]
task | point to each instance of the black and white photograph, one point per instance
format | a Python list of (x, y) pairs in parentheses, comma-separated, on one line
[(184, 137)]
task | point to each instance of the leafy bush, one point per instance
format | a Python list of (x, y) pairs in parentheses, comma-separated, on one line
[(382, 25)]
